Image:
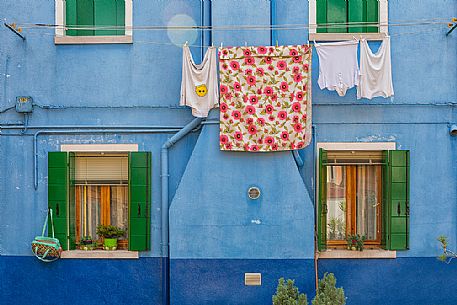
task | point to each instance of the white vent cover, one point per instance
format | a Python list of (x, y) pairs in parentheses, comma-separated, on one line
[(253, 279), (254, 192)]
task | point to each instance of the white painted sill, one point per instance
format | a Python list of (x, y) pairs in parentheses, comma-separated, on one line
[(365, 254), (126, 39), (345, 36), (99, 254)]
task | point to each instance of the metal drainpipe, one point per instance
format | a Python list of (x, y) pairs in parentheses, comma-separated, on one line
[(298, 158), (273, 33), (88, 131), (164, 176), (316, 254)]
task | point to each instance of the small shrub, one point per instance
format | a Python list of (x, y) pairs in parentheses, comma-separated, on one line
[(287, 294), (447, 256), (327, 293)]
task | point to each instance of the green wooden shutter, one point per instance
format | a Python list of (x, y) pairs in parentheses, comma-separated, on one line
[(85, 17), (139, 200), (322, 202), (372, 15), (321, 15), (72, 201), (357, 13), (120, 16), (337, 13), (58, 178), (70, 17), (396, 189), (105, 15)]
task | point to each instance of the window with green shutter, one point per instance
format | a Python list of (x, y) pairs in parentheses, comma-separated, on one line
[(90, 189), (347, 16), (95, 17), (365, 193)]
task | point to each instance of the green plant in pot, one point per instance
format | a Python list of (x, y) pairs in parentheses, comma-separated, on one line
[(355, 242), (87, 243), (110, 235)]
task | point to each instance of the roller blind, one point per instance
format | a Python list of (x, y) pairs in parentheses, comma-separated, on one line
[(335, 157), (101, 169)]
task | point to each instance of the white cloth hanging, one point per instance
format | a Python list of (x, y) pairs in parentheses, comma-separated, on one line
[(375, 71), (338, 67), (199, 86)]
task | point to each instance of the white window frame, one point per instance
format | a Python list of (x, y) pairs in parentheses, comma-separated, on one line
[(99, 254), (61, 38), (383, 28), (345, 254)]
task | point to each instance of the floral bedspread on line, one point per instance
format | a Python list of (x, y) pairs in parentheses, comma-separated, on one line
[(265, 98)]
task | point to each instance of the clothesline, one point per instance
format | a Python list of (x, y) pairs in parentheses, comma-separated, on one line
[(207, 46), (417, 22)]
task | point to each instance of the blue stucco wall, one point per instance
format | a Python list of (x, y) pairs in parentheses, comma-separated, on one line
[(25, 280), (211, 215), (138, 84)]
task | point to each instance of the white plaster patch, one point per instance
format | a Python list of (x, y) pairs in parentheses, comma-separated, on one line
[(377, 138), (256, 221)]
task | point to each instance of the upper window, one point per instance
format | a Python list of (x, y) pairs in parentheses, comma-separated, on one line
[(94, 21), (94, 17), (364, 192), (341, 19)]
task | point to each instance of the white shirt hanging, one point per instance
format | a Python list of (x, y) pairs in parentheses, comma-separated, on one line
[(199, 86), (338, 67), (375, 71)]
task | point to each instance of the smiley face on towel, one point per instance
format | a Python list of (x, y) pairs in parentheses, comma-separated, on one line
[(201, 90)]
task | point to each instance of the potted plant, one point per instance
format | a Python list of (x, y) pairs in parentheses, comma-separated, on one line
[(87, 243), (110, 235), (355, 242)]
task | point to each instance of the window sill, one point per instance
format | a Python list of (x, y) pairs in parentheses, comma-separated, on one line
[(345, 36), (377, 253), (93, 39), (99, 254)]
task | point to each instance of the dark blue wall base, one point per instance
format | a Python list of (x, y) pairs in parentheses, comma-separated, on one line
[(418, 281), (221, 281), (26, 280)]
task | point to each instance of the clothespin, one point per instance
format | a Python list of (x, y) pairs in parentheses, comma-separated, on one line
[(452, 25), (276, 43), (185, 44), (222, 45), (245, 44), (16, 30)]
